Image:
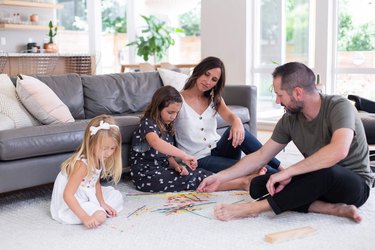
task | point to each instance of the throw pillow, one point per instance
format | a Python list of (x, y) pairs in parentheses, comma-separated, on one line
[(41, 101), (173, 78), (12, 113)]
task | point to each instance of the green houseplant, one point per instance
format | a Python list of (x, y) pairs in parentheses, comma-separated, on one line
[(51, 46), (156, 38)]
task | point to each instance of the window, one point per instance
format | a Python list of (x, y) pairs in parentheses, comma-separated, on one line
[(73, 17), (355, 50), (283, 35)]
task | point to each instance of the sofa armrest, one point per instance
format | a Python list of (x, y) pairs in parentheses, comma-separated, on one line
[(243, 95)]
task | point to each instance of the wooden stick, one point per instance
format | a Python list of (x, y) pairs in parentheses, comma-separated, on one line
[(290, 234)]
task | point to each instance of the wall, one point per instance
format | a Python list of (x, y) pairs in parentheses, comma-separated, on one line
[(16, 39), (224, 34)]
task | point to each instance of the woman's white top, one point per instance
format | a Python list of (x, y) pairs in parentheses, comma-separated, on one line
[(196, 134)]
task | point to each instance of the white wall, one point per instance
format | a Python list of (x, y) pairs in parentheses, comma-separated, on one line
[(223, 34)]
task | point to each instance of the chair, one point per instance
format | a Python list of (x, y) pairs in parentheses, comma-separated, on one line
[(366, 109)]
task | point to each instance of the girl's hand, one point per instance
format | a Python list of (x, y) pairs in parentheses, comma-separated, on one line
[(237, 133), (90, 222), (109, 210), (182, 170), (190, 161)]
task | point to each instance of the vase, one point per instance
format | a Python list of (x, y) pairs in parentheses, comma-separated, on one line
[(50, 48)]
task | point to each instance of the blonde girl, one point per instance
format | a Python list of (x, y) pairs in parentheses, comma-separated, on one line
[(78, 197)]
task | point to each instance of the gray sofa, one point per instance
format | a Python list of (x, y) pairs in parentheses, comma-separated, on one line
[(31, 156)]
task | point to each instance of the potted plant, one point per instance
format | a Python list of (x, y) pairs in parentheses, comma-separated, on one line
[(156, 39), (51, 47)]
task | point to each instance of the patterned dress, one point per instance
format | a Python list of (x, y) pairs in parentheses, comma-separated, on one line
[(150, 169), (85, 195)]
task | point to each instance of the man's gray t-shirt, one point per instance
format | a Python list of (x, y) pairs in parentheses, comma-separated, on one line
[(309, 136)]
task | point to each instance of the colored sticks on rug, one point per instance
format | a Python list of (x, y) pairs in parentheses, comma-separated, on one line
[(137, 211), (184, 202)]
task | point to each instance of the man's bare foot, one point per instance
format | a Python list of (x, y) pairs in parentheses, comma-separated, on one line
[(227, 212), (348, 211), (338, 209)]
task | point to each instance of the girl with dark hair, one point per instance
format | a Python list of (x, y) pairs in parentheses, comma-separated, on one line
[(196, 124), (153, 167)]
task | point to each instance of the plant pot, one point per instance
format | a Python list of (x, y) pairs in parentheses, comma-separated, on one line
[(50, 48), (34, 18)]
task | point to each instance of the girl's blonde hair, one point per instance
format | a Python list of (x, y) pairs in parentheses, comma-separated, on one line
[(112, 166)]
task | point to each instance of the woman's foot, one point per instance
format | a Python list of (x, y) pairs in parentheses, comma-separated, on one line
[(246, 180)]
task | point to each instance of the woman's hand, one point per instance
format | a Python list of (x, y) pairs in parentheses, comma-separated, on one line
[(237, 133)]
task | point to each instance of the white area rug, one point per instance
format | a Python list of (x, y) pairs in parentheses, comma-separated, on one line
[(27, 225)]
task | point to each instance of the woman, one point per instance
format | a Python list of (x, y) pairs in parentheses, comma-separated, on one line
[(196, 123)]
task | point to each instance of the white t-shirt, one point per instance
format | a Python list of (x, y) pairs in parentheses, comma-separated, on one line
[(196, 134)]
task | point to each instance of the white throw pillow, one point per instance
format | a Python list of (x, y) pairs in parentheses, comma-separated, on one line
[(12, 113), (172, 78), (41, 101)]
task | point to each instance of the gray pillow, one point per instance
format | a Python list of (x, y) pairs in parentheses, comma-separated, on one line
[(121, 93)]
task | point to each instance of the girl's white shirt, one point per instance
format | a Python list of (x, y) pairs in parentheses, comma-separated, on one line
[(196, 134)]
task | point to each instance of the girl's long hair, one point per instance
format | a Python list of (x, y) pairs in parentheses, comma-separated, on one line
[(205, 65), (161, 99), (112, 166)]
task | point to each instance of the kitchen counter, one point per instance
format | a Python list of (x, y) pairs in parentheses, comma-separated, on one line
[(47, 63)]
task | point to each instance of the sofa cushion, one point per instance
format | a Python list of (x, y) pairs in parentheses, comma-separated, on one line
[(240, 111), (172, 78), (69, 89), (121, 93), (53, 139), (41, 101), (13, 113)]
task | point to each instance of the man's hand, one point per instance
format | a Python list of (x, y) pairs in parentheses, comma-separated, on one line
[(209, 184), (281, 178)]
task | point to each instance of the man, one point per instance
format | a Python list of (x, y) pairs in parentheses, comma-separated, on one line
[(333, 178)]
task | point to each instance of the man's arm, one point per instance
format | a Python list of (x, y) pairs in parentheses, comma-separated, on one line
[(325, 157), (247, 165)]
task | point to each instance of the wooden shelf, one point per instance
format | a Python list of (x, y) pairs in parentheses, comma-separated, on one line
[(26, 27), (31, 4)]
